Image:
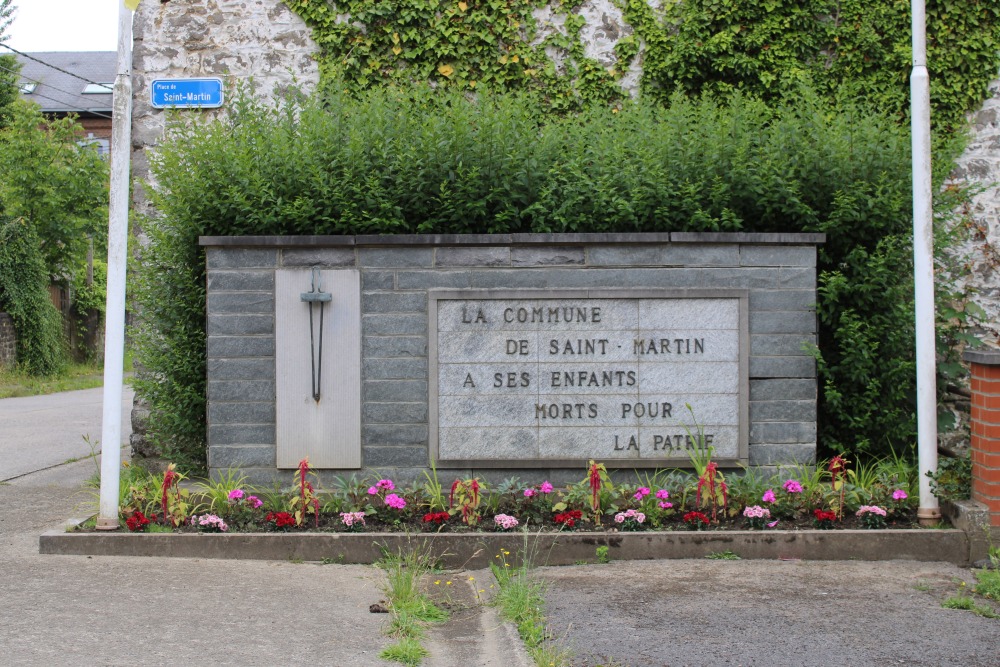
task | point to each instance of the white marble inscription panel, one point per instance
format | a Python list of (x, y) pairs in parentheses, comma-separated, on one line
[(519, 379)]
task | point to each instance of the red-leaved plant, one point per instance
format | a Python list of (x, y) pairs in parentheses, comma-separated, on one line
[(305, 499), (466, 493), (714, 485), (838, 477), (173, 501)]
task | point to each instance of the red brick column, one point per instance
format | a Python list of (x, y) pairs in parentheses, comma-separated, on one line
[(986, 429)]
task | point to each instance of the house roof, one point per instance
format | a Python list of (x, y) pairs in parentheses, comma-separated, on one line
[(58, 92)]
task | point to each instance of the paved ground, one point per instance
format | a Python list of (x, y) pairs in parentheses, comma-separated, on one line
[(43, 431)]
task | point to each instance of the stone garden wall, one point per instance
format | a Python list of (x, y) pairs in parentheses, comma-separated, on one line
[(401, 283), (8, 341)]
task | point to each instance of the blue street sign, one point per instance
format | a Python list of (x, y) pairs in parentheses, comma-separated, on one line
[(188, 93)]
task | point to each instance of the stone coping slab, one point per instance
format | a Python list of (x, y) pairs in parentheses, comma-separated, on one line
[(476, 550), (510, 239), (984, 357)]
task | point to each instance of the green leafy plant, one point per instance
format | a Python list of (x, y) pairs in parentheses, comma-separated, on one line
[(603, 555), (433, 490), (465, 499), (216, 491), (723, 555), (953, 478), (412, 609)]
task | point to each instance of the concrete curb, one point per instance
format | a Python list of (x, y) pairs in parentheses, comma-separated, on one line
[(476, 550)]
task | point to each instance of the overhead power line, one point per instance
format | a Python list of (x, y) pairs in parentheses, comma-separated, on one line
[(66, 92), (58, 69)]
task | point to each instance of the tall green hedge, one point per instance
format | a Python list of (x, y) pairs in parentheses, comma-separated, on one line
[(419, 161), (24, 294)]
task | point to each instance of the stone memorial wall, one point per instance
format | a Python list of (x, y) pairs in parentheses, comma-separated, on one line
[(509, 354)]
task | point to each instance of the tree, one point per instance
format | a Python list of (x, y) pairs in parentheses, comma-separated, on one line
[(10, 69)]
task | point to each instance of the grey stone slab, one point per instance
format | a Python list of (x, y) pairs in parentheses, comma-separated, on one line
[(378, 280), (240, 281), (782, 454), (576, 238), (394, 346), (241, 413), (394, 369), (737, 277), (783, 299), (241, 390), (412, 240), (241, 369), (422, 280), (782, 344), (789, 367), (395, 390), (248, 325), (240, 302), (394, 413), (241, 258), (221, 457), (239, 434), (547, 256), (786, 411), (779, 322), (797, 278), (782, 432), (384, 457), (983, 357), (394, 434), (664, 255), (393, 302), (747, 237), (396, 257), (775, 390), (472, 256), (394, 325), (778, 255), (326, 258), (277, 241), (240, 346)]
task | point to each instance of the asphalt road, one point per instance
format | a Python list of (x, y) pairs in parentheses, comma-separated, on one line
[(39, 432)]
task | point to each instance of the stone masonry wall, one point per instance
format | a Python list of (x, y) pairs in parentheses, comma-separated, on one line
[(8, 341), (396, 274)]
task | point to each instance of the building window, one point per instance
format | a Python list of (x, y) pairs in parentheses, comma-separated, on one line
[(28, 88), (98, 88)]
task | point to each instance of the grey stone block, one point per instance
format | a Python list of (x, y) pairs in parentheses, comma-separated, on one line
[(240, 281), (241, 258), (240, 302), (781, 344), (246, 325), (393, 434), (395, 390), (240, 346), (263, 478), (747, 237), (326, 258), (472, 256), (241, 390), (241, 413), (774, 390), (241, 457), (797, 278), (778, 255), (421, 280), (383, 457), (238, 434), (785, 411), (782, 367), (783, 299), (394, 325), (241, 369), (737, 277), (394, 369), (787, 322), (782, 454), (664, 255), (396, 257), (547, 256), (393, 302), (394, 346), (394, 413), (782, 432), (377, 280)]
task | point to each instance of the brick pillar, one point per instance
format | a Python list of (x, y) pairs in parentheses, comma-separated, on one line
[(985, 444)]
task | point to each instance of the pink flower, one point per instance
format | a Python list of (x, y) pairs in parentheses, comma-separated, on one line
[(351, 518), (792, 486), (529, 493), (620, 517), (665, 505), (769, 496), (254, 501), (546, 487), (236, 494), (372, 491), (773, 524), (505, 521), (385, 484), (641, 492), (662, 494), (899, 494), (394, 501)]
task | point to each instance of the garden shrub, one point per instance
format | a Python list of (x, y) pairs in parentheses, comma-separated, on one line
[(413, 160), (24, 295)]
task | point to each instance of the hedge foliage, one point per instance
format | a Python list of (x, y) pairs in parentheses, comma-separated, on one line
[(24, 295), (419, 161)]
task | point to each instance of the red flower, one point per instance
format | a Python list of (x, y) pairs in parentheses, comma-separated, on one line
[(436, 517), (692, 517), (280, 519), (825, 515), (137, 522), (568, 518)]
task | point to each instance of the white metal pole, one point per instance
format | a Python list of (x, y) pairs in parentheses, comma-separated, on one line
[(923, 264), (114, 328)]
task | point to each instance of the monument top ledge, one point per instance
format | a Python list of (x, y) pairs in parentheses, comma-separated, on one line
[(512, 239)]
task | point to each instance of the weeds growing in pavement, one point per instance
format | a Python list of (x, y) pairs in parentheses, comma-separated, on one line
[(412, 610)]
